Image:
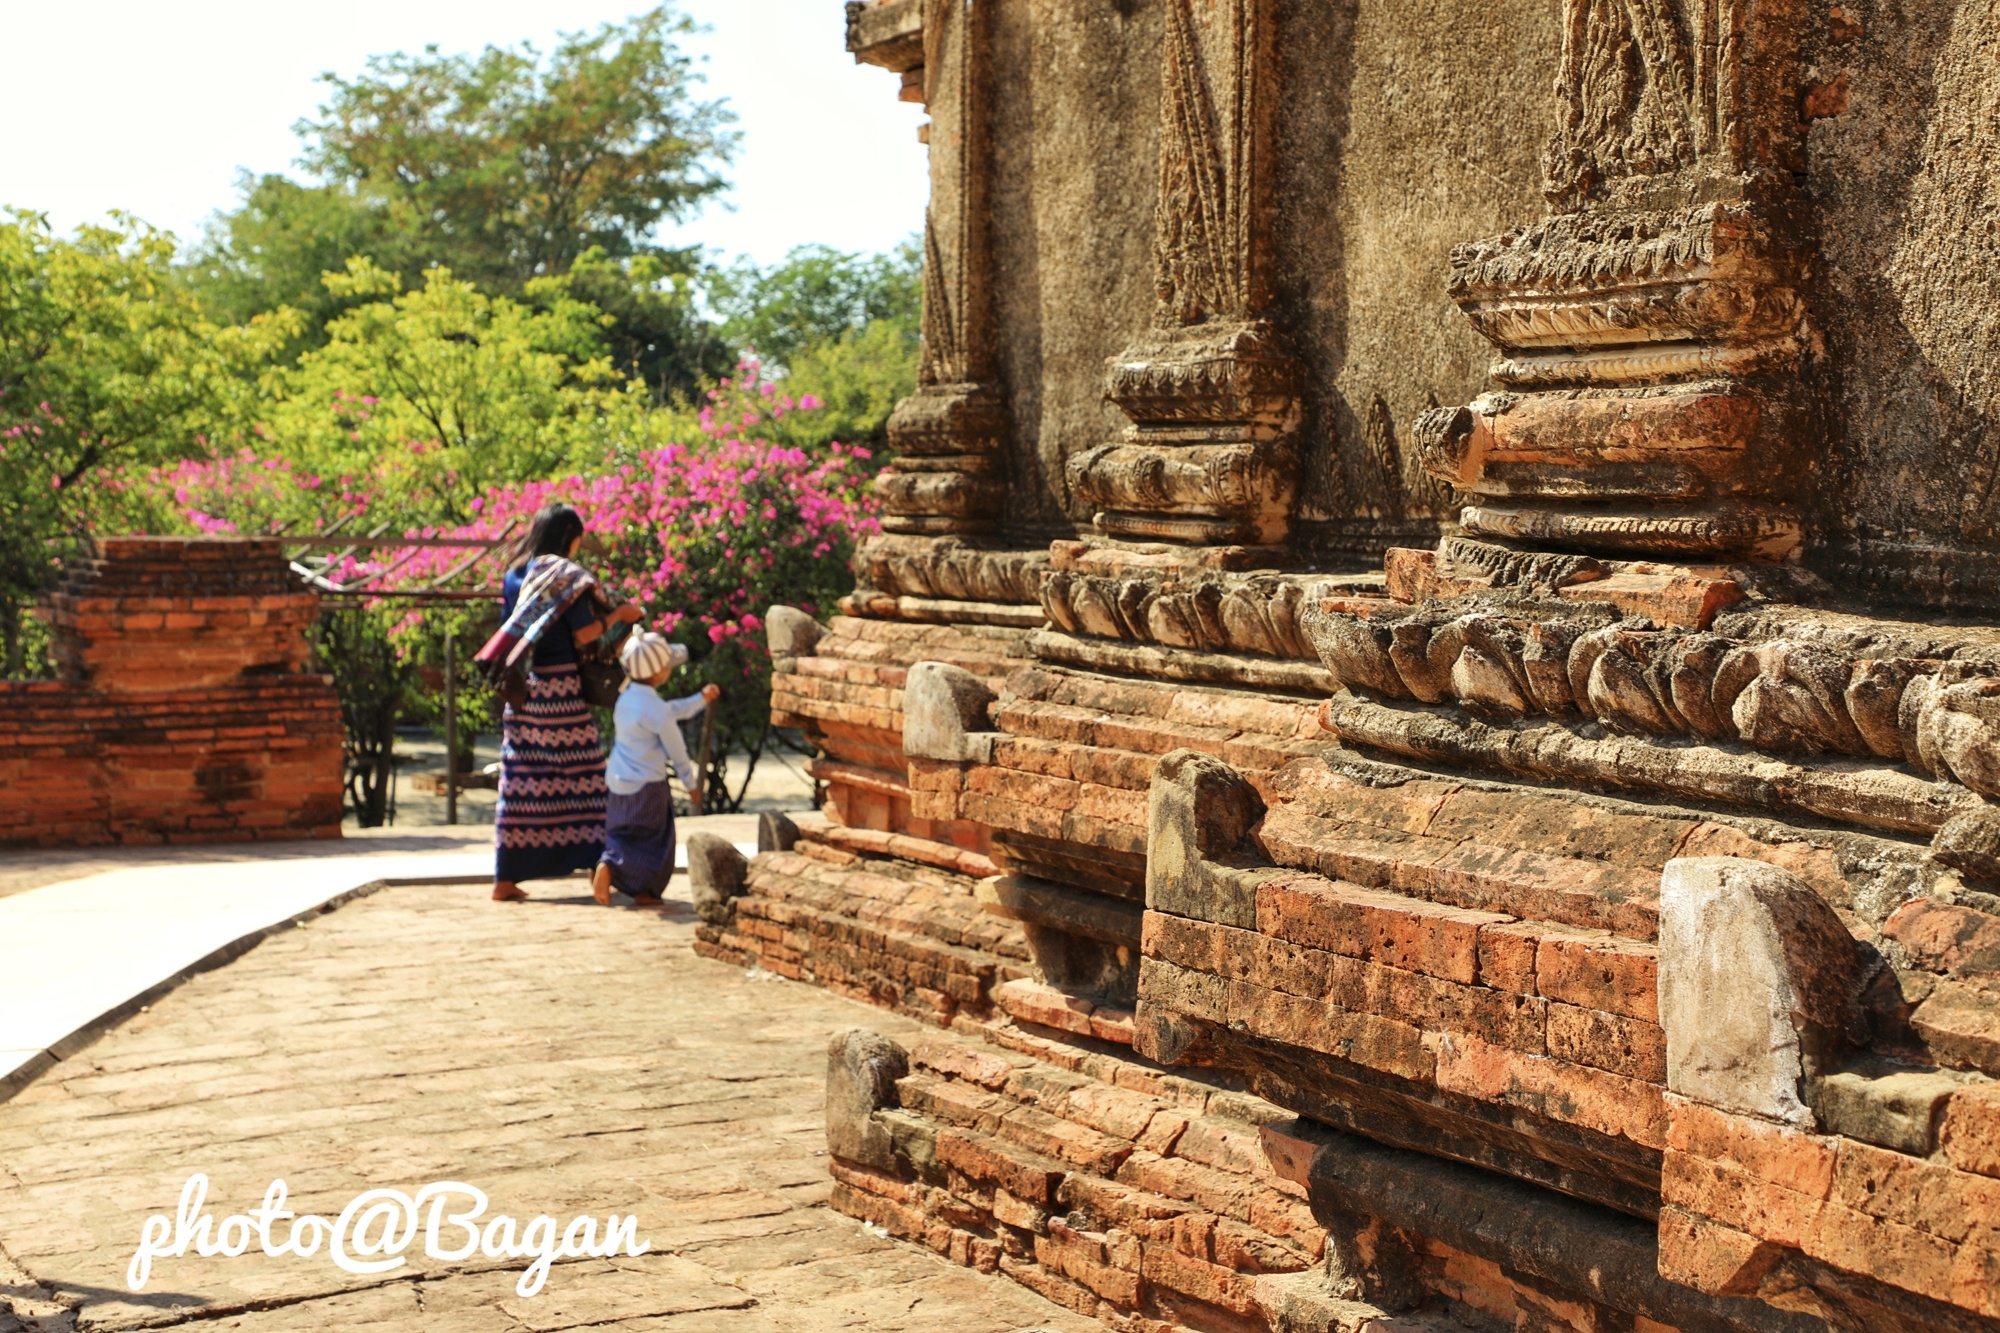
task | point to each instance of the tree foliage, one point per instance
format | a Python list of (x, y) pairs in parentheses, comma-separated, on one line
[(273, 251), (507, 167), (429, 398), (816, 295), (655, 331), (503, 167), (857, 379), (354, 645), (840, 327), (106, 361)]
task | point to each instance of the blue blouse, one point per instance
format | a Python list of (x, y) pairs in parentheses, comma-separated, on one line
[(558, 644)]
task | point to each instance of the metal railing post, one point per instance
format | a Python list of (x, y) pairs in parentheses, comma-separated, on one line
[(451, 726)]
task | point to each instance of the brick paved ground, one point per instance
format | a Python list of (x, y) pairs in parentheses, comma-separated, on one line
[(562, 1057)]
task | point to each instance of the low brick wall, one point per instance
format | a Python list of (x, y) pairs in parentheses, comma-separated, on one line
[(184, 712), (1245, 1031)]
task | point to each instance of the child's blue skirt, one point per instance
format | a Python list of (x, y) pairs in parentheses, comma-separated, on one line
[(639, 840)]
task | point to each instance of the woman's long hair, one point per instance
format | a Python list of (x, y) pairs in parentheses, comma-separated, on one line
[(554, 528)]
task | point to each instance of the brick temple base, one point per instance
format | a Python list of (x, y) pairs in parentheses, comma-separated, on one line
[(184, 712)]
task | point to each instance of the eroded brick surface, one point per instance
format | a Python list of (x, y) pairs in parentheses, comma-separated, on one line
[(185, 713), (1458, 968), (1115, 1189), (900, 933), (848, 698)]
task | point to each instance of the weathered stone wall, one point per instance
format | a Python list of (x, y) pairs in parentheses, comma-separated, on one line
[(1380, 169), (1076, 136), (1493, 733), (1903, 154), (185, 712), (1405, 129)]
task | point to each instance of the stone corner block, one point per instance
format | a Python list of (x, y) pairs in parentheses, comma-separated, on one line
[(1305, 1302), (1894, 1108), (1199, 810), (776, 832), (1759, 986), (1166, 1036), (791, 632), (717, 873), (944, 714), (1709, 1257), (861, 1072)]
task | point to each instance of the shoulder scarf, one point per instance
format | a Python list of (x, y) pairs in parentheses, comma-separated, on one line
[(551, 585)]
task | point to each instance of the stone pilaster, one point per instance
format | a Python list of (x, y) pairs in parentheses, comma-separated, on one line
[(948, 436), (1209, 389)]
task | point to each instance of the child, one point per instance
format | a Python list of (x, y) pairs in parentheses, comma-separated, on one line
[(639, 819)]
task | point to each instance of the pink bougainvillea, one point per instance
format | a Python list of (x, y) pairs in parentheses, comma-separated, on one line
[(704, 535)]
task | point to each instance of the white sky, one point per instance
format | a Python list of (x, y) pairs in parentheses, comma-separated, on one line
[(152, 107)]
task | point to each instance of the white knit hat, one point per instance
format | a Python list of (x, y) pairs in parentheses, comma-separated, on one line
[(645, 655)]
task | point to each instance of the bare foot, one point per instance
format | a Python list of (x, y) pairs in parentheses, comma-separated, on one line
[(504, 892), (644, 900), (600, 884)]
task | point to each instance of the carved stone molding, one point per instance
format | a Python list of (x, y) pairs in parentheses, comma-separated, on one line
[(948, 436), (1652, 333), (1255, 613), (1653, 404), (949, 568), (1210, 389), (1655, 96), (1792, 694)]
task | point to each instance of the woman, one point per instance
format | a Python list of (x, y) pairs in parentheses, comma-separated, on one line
[(551, 815)]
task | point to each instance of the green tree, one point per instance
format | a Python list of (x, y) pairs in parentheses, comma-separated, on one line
[(377, 686), (504, 167), (431, 397), (857, 379), (106, 362), (656, 334), (840, 329), (509, 168), (273, 250), (817, 294)]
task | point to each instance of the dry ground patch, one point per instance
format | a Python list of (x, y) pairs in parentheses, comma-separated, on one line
[(563, 1058)]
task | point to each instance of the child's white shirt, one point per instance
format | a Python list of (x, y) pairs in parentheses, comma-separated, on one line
[(649, 739)]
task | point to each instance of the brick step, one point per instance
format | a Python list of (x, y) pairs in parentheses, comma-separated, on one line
[(1085, 727), (820, 831), (1121, 1192), (842, 670), (802, 690), (1162, 1203), (1032, 1002), (868, 747), (900, 933), (1065, 792), (1578, 861), (881, 890), (984, 650), (1175, 704)]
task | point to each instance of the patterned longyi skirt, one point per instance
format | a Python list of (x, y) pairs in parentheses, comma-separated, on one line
[(550, 820)]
